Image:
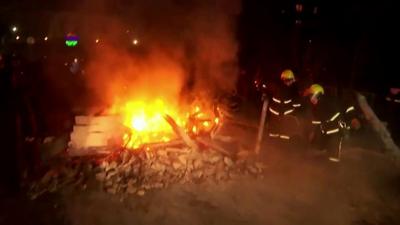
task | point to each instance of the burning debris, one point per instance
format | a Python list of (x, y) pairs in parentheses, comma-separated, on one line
[(120, 169), (137, 124), (154, 133)]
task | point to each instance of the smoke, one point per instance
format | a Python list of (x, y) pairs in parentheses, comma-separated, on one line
[(183, 48)]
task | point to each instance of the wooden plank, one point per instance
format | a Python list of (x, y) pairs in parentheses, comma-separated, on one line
[(180, 132)]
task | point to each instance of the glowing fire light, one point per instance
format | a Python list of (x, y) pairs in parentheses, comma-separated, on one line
[(146, 123), (194, 129), (139, 124)]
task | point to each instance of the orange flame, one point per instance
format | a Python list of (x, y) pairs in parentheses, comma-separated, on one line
[(146, 123)]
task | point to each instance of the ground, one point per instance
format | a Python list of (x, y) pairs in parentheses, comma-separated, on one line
[(297, 188)]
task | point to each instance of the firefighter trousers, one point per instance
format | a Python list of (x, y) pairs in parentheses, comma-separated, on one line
[(332, 143), (281, 127)]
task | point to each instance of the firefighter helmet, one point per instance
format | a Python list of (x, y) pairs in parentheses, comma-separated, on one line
[(287, 75), (316, 89)]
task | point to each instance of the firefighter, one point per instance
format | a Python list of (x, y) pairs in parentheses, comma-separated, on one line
[(330, 120), (283, 103)]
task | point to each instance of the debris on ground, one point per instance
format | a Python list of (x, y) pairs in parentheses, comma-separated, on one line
[(151, 167)]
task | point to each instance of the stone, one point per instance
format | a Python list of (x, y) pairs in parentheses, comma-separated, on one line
[(252, 169), (112, 190), (141, 192), (176, 165), (182, 159), (228, 161), (214, 158), (197, 163), (101, 176), (131, 189), (162, 153)]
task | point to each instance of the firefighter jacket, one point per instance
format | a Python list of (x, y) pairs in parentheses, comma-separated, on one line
[(331, 116), (284, 100)]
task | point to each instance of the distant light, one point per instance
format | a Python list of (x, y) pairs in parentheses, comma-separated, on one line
[(127, 31), (75, 60), (299, 8), (17, 38), (97, 41), (315, 10), (14, 29), (71, 43), (71, 40), (135, 41), (46, 38)]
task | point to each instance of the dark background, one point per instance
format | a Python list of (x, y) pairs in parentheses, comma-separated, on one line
[(351, 43), (345, 43)]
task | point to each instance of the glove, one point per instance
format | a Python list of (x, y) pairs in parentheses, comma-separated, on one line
[(355, 124)]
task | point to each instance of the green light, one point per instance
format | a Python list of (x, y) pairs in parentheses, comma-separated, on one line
[(71, 43)]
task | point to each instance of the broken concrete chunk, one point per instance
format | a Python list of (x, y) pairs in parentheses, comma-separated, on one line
[(141, 192), (131, 189), (197, 163), (182, 159), (214, 158), (101, 176), (176, 165), (112, 190), (252, 169), (228, 161)]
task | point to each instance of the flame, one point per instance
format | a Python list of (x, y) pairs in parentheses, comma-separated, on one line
[(194, 129), (146, 123)]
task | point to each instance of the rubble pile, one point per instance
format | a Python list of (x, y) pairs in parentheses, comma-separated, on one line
[(138, 171)]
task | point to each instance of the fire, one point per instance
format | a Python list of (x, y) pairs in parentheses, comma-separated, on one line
[(139, 124), (146, 124)]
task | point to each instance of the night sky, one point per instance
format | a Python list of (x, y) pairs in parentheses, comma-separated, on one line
[(345, 43), (348, 43)]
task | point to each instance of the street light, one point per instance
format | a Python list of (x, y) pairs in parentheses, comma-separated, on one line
[(14, 29)]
